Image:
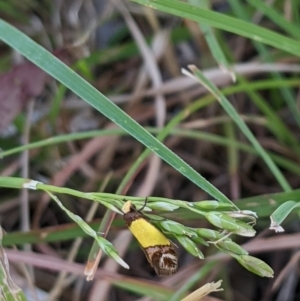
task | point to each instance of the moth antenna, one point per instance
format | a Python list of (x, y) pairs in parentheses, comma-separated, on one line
[(146, 201)]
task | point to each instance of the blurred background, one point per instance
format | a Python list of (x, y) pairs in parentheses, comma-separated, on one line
[(134, 55)]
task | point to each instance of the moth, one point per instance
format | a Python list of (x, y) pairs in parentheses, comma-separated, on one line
[(159, 250)]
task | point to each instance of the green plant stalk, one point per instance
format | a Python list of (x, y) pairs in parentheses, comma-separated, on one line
[(233, 160), (220, 140), (264, 205), (56, 104)]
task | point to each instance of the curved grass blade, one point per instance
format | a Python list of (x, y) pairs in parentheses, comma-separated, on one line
[(46, 61), (281, 213)]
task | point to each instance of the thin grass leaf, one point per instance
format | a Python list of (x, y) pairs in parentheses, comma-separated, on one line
[(276, 17), (275, 124), (104, 244), (211, 40), (229, 108), (224, 22), (267, 56)]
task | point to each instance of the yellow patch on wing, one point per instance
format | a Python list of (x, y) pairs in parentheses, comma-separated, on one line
[(147, 235)]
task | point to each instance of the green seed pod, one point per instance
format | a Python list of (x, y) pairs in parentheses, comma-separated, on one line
[(211, 205), (208, 233), (230, 247), (176, 228), (162, 206), (190, 246), (222, 220), (255, 265), (198, 240), (244, 229)]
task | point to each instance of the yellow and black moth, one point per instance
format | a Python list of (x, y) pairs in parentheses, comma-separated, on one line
[(159, 250)]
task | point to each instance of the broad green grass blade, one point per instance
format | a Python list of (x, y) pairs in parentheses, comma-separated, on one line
[(224, 22), (46, 61)]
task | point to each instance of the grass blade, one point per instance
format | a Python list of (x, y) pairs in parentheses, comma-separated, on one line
[(228, 107), (46, 61), (224, 22)]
